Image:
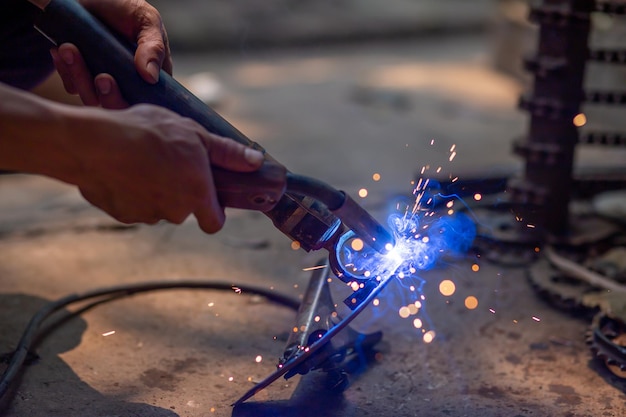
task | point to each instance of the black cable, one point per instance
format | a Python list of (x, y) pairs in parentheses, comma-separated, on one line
[(314, 188), (108, 294)]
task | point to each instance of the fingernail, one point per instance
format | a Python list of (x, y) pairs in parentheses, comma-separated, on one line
[(153, 70), (253, 157), (103, 85), (67, 56)]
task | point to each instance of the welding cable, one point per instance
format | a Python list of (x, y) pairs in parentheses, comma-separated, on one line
[(316, 189), (32, 331)]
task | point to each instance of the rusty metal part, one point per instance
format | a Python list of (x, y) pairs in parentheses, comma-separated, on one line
[(558, 289), (543, 194), (607, 341)]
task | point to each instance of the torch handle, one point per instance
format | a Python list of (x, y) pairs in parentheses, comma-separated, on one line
[(67, 21)]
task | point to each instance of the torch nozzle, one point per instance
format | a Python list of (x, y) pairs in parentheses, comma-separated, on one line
[(351, 214)]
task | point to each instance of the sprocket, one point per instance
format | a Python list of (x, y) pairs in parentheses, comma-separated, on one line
[(607, 340), (561, 291)]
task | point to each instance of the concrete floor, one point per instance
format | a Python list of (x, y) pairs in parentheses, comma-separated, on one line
[(339, 114)]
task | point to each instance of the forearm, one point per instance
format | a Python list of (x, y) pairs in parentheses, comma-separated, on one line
[(34, 134)]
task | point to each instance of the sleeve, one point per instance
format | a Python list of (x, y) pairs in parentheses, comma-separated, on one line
[(24, 53)]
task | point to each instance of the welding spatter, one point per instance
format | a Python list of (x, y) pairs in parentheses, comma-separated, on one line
[(309, 211)]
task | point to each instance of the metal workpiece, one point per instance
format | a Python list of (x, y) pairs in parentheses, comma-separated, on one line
[(323, 340), (316, 316)]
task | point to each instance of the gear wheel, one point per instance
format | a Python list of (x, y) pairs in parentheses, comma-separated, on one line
[(559, 290), (607, 341)]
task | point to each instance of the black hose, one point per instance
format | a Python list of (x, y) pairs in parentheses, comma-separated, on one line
[(108, 294)]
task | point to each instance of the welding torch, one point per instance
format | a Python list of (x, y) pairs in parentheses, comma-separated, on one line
[(307, 210)]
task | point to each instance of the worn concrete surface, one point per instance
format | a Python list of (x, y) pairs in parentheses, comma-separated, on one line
[(339, 114)]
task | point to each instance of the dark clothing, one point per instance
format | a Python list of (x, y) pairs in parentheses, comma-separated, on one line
[(24, 53)]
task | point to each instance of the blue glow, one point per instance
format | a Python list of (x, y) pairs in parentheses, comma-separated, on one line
[(422, 239)]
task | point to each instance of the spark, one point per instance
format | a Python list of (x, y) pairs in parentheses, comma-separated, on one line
[(530, 226), (429, 336), (295, 245), (422, 236), (432, 142), (237, 290), (580, 120), (536, 318), (376, 176), (478, 197), (452, 148), (258, 359), (471, 302), (313, 268), (357, 245), (475, 267), (211, 304), (363, 192), (317, 319), (447, 287), (230, 379), (492, 311), (112, 332), (452, 155)]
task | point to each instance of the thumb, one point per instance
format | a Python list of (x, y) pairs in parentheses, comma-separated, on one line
[(228, 154)]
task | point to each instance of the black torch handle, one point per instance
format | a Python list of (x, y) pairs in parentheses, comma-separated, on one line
[(67, 21)]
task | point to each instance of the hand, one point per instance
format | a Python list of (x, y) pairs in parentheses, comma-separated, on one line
[(147, 164), (136, 20)]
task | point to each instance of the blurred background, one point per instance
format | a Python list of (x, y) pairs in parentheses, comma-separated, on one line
[(369, 96)]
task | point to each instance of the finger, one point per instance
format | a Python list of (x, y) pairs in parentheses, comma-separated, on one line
[(79, 74), (109, 94), (231, 155), (152, 48), (64, 72), (210, 216)]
